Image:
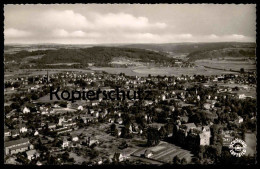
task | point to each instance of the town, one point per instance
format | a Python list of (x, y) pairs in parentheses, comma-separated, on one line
[(190, 119)]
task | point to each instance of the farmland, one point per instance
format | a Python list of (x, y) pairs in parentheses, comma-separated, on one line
[(227, 64), (168, 71)]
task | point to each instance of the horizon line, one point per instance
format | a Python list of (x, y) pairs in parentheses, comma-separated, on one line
[(120, 43)]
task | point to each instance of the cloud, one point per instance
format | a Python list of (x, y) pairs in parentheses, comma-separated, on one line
[(61, 33), (72, 21), (125, 21), (213, 36), (236, 36), (15, 33), (227, 38), (157, 37), (67, 19), (70, 24), (78, 34), (185, 36), (113, 27)]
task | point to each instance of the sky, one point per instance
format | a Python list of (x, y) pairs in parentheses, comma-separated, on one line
[(129, 23)]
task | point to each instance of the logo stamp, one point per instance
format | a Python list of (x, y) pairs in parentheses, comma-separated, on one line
[(238, 147)]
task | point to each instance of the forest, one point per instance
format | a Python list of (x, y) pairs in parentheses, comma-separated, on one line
[(100, 56)]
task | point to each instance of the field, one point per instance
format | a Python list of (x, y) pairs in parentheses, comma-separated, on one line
[(228, 63), (33, 57), (67, 64), (125, 61), (170, 71)]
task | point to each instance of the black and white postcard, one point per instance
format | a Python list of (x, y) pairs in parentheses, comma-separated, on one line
[(129, 84)]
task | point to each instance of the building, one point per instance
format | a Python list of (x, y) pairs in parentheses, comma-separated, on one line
[(74, 138), (65, 143), (239, 120), (52, 126), (23, 128), (148, 153), (32, 154), (16, 146), (26, 110), (15, 133), (36, 133), (190, 135), (80, 108), (118, 157), (205, 136), (7, 132)]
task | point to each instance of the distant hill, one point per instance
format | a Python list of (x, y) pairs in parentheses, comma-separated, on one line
[(221, 53), (101, 56), (197, 51), (191, 47)]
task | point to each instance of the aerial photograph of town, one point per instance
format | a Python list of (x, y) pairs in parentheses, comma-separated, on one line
[(130, 84)]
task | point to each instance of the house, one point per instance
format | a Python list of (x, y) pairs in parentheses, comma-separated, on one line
[(15, 133), (118, 157), (23, 128), (94, 103), (61, 120), (51, 126), (7, 132), (129, 127), (191, 135), (140, 131), (239, 120), (91, 111), (205, 136), (163, 97), (148, 153), (184, 119), (74, 138), (90, 141), (26, 110), (80, 108), (65, 143), (135, 127), (120, 121), (84, 119), (96, 114), (63, 130), (241, 96), (148, 102), (16, 146), (10, 114), (157, 126), (99, 161), (111, 120), (206, 106), (69, 124), (172, 108), (32, 154), (38, 163), (56, 106), (46, 110), (36, 133)]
